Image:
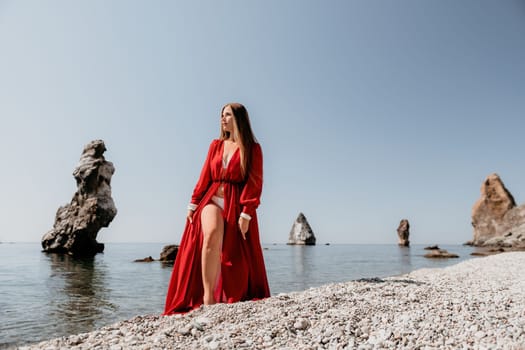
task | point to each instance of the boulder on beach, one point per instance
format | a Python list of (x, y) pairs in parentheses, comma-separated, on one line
[(496, 219), (169, 253), (440, 254), (403, 233), (78, 223), (301, 232)]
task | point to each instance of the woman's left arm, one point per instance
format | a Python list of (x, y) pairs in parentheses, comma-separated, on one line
[(251, 193)]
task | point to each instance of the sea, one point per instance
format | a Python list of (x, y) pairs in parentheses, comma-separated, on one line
[(44, 296)]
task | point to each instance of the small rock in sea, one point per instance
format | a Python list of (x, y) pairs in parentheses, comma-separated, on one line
[(169, 253), (479, 254), (440, 253), (147, 259), (432, 247)]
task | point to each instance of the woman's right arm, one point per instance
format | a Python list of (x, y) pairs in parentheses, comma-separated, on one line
[(204, 179)]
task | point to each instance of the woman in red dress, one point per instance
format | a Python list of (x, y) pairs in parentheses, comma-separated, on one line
[(220, 257)]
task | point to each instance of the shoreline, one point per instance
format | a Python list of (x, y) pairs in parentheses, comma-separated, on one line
[(475, 303)]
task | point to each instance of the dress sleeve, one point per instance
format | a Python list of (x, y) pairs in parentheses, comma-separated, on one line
[(251, 193), (205, 178)]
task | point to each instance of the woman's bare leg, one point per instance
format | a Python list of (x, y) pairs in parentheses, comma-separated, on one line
[(213, 230)]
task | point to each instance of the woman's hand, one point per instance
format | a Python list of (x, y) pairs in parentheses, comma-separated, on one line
[(189, 216), (244, 224)]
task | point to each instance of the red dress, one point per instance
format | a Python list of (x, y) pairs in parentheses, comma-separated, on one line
[(242, 274)]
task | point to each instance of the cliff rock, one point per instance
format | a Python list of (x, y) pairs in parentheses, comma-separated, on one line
[(91, 208), (301, 232), (403, 233), (495, 217)]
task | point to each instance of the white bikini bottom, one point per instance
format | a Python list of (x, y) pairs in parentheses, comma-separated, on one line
[(219, 201)]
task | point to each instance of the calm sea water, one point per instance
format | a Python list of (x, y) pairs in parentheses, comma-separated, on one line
[(44, 296)]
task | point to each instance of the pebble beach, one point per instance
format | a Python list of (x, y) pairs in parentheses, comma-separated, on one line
[(476, 304)]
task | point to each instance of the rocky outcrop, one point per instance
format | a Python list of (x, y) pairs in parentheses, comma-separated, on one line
[(169, 253), (403, 233), (440, 254), (91, 208), (514, 239), (301, 232), (495, 217), (487, 251)]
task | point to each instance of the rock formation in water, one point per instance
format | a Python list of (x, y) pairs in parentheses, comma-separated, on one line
[(496, 219), (169, 253), (440, 254), (301, 232), (403, 233), (146, 259), (91, 208)]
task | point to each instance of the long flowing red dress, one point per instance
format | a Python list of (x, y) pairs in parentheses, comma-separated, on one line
[(242, 273)]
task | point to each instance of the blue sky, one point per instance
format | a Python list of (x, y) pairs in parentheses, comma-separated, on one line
[(368, 112)]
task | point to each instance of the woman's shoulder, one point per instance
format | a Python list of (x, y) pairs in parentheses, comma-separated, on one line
[(215, 142), (214, 146)]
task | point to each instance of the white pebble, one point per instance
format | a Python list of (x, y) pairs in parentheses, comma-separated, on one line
[(301, 323)]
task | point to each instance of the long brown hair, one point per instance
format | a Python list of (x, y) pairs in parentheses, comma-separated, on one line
[(242, 134)]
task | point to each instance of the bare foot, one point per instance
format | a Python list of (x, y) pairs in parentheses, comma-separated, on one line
[(209, 300)]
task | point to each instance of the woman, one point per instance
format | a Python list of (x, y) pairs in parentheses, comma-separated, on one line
[(220, 257)]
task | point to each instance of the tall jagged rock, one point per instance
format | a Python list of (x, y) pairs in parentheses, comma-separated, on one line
[(495, 214), (91, 208), (403, 232), (301, 232)]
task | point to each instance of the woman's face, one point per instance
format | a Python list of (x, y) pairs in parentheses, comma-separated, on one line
[(227, 119)]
